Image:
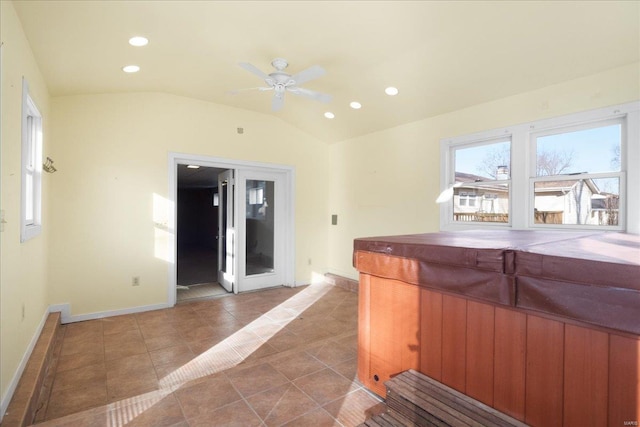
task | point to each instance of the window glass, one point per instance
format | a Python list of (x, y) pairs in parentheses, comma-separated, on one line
[(260, 226), (585, 151), (584, 201), (258, 194), (481, 192), (582, 194), (30, 222), (29, 196), (484, 162)]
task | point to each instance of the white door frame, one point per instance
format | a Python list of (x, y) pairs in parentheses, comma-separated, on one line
[(176, 159), (278, 205), (225, 238)]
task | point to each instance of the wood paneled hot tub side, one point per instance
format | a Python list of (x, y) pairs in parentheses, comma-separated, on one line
[(543, 326)]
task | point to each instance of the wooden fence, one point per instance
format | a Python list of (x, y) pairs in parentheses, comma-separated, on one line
[(480, 217)]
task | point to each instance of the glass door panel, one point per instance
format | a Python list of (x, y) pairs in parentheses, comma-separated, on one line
[(259, 223), (261, 231)]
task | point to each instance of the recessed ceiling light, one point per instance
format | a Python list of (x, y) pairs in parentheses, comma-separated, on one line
[(329, 115), (391, 91), (193, 167), (355, 105), (138, 41), (131, 69)]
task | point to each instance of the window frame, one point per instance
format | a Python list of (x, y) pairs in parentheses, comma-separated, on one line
[(534, 178), (523, 177), (449, 179), (31, 144), (621, 202)]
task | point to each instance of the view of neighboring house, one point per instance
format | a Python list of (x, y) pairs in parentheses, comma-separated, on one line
[(574, 201), (605, 208), (476, 199)]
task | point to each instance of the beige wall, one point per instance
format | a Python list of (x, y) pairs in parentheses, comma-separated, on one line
[(386, 183), (23, 274), (112, 155)]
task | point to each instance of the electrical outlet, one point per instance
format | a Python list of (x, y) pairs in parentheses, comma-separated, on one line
[(135, 281), (309, 261), (23, 311)]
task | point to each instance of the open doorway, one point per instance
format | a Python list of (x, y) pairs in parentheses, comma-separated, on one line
[(255, 228), (198, 211)]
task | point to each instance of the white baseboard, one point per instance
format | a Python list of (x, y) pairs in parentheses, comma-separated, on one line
[(65, 311), (23, 364), (352, 275), (314, 279), (65, 317)]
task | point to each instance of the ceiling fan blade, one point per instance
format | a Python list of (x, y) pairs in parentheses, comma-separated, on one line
[(322, 97), (308, 74), (248, 89), (253, 69)]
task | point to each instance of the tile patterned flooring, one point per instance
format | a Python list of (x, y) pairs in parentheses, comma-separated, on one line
[(199, 291), (271, 358)]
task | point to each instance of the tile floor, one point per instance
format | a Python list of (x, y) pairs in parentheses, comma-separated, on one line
[(272, 358), (199, 291)]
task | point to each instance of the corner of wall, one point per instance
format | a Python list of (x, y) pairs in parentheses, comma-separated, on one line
[(13, 384), (63, 309)]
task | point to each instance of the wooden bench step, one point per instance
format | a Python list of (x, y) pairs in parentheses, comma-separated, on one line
[(388, 419), (35, 382), (426, 402)]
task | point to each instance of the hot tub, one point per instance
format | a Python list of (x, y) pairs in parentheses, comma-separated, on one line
[(543, 326)]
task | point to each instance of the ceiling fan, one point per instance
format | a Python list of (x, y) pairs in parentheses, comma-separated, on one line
[(281, 82)]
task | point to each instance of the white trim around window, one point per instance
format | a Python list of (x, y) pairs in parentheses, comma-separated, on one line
[(31, 200), (523, 168)]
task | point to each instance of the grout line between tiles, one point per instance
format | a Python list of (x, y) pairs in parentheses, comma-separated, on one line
[(305, 347)]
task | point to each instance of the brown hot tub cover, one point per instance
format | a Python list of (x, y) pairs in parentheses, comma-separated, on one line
[(589, 277), (594, 279)]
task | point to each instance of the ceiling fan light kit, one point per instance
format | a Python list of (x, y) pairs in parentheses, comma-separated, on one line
[(281, 82)]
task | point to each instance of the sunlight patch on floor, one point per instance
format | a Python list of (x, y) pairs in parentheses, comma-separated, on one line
[(225, 355), (124, 411)]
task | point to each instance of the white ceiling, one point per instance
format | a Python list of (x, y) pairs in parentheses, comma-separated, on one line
[(442, 56)]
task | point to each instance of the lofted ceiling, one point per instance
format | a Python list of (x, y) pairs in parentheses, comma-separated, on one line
[(442, 56)]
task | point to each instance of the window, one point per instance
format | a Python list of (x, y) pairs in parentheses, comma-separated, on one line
[(481, 172), (578, 175), (256, 195), (31, 224), (567, 172)]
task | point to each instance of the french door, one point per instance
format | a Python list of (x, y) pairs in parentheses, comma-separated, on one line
[(226, 231), (256, 233), (260, 229)]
